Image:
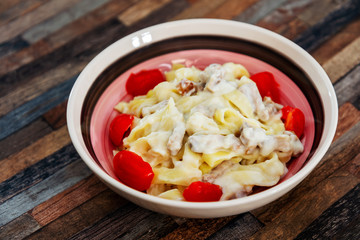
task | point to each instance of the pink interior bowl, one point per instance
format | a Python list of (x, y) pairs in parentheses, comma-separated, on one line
[(200, 42), (104, 109)]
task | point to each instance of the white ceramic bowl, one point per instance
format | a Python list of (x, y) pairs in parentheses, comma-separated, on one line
[(191, 34)]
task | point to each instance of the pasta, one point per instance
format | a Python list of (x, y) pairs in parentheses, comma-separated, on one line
[(210, 126)]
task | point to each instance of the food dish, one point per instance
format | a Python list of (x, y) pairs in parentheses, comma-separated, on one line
[(287, 59), (211, 126)]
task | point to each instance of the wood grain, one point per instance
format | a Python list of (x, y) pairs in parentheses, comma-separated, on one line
[(18, 25), (328, 26), (67, 200), (33, 153), (198, 228), (140, 10), (199, 9), (37, 172), (339, 216), (56, 117), (345, 60), (230, 9), (81, 217), (348, 117), (23, 138), (63, 35), (120, 224), (19, 228), (347, 91), (335, 44), (33, 196)]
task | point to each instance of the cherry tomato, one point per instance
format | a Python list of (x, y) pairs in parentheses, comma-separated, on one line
[(132, 170), (140, 83), (118, 127), (267, 85), (293, 119), (202, 192)]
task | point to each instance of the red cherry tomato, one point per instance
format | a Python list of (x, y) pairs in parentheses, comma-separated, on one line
[(267, 85), (293, 119), (140, 83), (132, 170), (118, 127), (202, 192)]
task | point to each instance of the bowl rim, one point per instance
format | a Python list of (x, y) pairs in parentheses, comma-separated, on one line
[(190, 27)]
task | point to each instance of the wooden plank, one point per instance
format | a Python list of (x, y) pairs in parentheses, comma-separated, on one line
[(40, 84), (17, 9), (19, 25), (56, 117), (23, 137), (34, 153), (12, 46), (258, 10), (33, 196), (335, 44), (199, 9), (343, 150), (329, 25), (5, 5), (337, 217), (345, 60), (242, 227), (348, 117), (354, 167), (37, 173), (160, 15), (28, 112), (351, 232), (67, 200), (230, 9), (55, 23), (81, 217), (19, 228), (198, 228), (140, 10), (64, 35), (120, 224), (347, 89)]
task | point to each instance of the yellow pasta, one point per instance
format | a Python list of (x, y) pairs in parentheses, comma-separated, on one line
[(209, 126)]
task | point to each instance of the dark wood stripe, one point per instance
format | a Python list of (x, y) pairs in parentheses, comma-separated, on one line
[(56, 117), (17, 8), (160, 15), (338, 42), (19, 228), (259, 10), (83, 47), (24, 137), (37, 172), (12, 45), (230, 9), (120, 224), (241, 227), (330, 25), (67, 200), (44, 190), (28, 112), (33, 153), (347, 89), (81, 217), (338, 217)]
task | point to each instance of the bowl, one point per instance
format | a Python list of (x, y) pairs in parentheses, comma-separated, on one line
[(199, 42)]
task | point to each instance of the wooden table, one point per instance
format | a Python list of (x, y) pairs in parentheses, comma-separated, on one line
[(47, 192)]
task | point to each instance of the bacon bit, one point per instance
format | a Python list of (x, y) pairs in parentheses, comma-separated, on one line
[(186, 87)]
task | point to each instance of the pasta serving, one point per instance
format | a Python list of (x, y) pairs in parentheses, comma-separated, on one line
[(211, 126)]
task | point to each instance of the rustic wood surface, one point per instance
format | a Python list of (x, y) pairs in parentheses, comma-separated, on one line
[(47, 192)]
